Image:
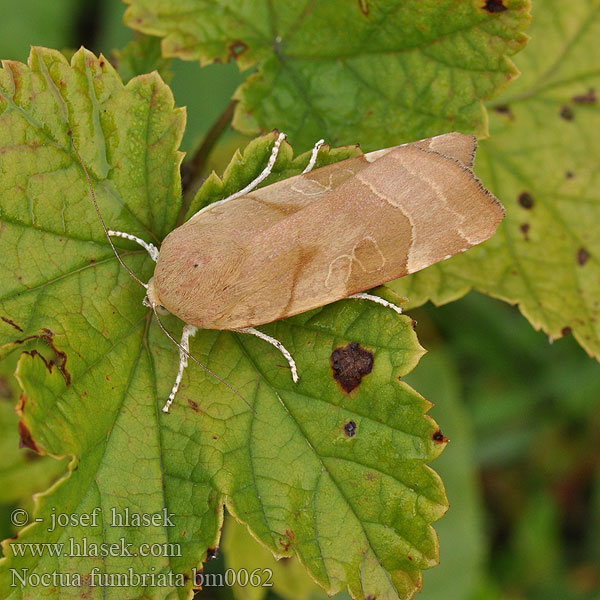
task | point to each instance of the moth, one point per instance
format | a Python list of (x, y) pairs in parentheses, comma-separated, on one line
[(329, 233)]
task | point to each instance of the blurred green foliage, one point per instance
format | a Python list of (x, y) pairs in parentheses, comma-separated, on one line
[(523, 415)]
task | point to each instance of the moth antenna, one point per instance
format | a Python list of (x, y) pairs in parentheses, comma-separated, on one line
[(87, 176), (188, 354)]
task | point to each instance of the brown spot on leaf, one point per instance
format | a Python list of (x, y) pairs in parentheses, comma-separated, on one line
[(526, 200), (364, 7), (494, 6), (413, 324), (27, 440), (589, 98), (212, 553), (439, 437), (350, 428), (409, 558), (569, 174), (504, 109), (11, 323), (566, 330), (524, 227), (350, 364), (237, 48), (370, 597), (193, 405), (286, 542), (582, 256), (566, 113)]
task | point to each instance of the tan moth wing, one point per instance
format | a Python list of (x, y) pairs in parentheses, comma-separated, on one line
[(316, 238)]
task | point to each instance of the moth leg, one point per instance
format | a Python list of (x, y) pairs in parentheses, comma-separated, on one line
[(188, 332), (313, 157), (277, 344), (150, 248), (264, 174), (377, 300)]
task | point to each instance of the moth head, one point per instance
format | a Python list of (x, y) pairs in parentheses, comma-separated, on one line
[(151, 298)]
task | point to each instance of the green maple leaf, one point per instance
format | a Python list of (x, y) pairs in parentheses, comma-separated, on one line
[(338, 479), (377, 72), (541, 161)]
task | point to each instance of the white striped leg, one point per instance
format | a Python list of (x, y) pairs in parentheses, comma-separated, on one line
[(188, 332), (277, 344), (313, 157), (264, 174), (376, 299), (150, 248)]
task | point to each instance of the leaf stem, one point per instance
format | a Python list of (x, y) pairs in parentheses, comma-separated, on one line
[(191, 172)]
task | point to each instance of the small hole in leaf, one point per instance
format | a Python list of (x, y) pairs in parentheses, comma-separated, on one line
[(494, 6), (566, 113), (582, 256), (526, 200), (439, 437), (350, 428)]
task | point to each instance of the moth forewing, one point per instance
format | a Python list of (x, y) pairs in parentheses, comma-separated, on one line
[(322, 236)]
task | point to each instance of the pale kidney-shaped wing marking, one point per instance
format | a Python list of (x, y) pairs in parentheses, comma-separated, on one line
[(278, 252)]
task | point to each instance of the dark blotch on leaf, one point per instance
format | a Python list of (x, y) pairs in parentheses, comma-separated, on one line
[(524, 227), (350, 428), (526, 200), (589, 98), (212, 553), (582, 256), (364, 7), (569, 174), (193, 405), (413, 324), (504, 109), (439, 437), (27, 440), (566, 113), (565, 330), (350, 364), (494, 6), (237, 48), (370, 597)]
